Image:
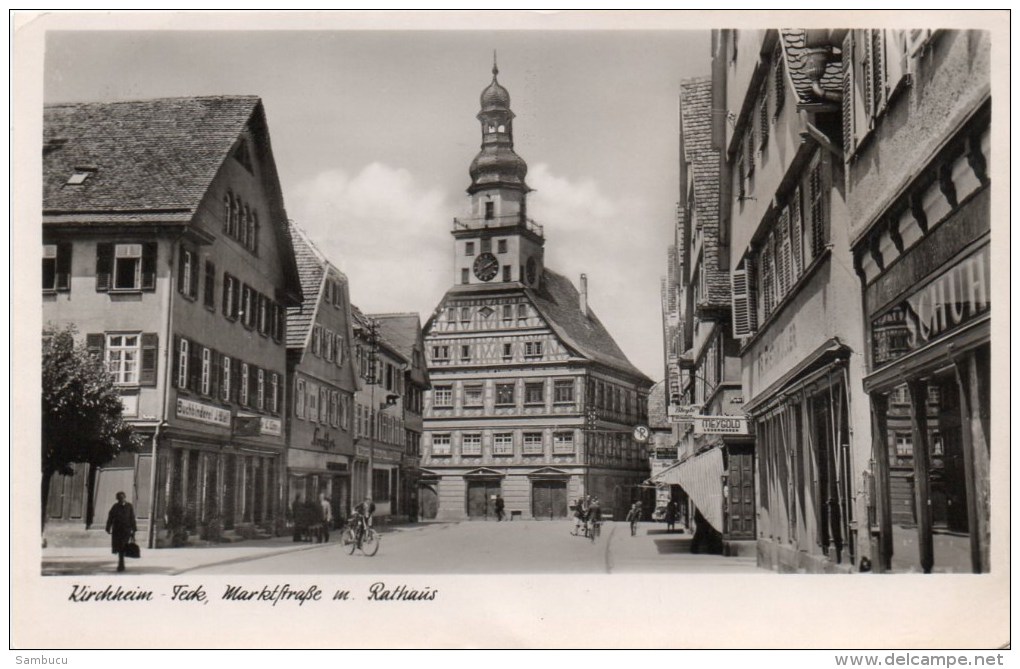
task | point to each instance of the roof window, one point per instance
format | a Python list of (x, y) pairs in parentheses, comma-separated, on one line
[(80, 175)]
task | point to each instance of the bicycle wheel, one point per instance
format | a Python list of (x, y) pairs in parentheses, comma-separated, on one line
[(370, 544), (596, 530), (350, 541)]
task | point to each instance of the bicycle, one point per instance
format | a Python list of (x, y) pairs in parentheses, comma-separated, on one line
[(596, 529), (358, 536)]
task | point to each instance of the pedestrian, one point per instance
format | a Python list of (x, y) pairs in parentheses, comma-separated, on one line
[(327, 517), (580, 514), (633, 516), (499, 507), (120, 525), (671, 513)]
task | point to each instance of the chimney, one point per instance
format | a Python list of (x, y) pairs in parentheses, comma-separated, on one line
[(584, 295)]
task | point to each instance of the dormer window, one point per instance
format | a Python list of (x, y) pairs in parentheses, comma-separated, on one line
[(502, 128), (80, 175)]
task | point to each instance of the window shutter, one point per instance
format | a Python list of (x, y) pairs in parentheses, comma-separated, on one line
[(194, 367), (104, 266), (176, 355), (63, 278), (741, 304), (779, 82), (95, 343), (215, 363), (878, 68), (235, 288), (150, 358), (817, 206), (796, 238), (181, 288), (235, 381), (193, 287), (226, 295), (895, 44), (149, 254), (253, 385), (868, 75), (783, 253), (916, 41), (849, 141), (750, 147), (210, 284), (763, 116)]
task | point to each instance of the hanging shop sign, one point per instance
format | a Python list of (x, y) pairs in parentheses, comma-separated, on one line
[(682, 413), (641, 433), (363, 451), (202, 413), (958, 295), (720, 425)]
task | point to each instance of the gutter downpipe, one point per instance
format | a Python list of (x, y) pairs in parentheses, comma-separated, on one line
[(818, 53)]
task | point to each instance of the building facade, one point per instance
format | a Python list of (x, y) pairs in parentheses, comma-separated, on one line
[(531, 398), (916, 118), (166, 245), (801, 350), (322, 381), (715, 466)]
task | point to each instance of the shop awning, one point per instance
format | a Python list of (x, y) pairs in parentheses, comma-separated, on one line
[(701, 478)]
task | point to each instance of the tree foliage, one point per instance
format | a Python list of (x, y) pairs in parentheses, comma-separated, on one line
[(82, 414)]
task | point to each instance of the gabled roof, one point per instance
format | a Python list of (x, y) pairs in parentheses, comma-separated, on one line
[(154, 161), (794, 41), (657, 418), (311, 265), (145, 155), (559, 302), (360, 321), (403, 331)]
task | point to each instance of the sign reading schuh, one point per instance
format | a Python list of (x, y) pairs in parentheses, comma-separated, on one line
[(720, 425)]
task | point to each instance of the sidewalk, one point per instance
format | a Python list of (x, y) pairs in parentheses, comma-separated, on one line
[(91, 560), (645, 553)]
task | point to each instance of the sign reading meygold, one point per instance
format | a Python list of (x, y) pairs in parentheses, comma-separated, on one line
[(202, 413), (720, 425), (273, 426)]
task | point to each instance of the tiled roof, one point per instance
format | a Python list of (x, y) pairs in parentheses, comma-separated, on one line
[(794, 42), (657, 417), (145, 155), (558, 301), (696, 122), (311, 269), (360, 321)]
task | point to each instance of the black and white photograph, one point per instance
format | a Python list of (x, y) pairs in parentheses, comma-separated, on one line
[(630, 329)]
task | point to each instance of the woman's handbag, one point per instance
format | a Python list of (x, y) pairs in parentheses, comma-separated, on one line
[(132, 550)]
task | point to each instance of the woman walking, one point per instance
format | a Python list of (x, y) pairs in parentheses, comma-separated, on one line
[(120, 525)]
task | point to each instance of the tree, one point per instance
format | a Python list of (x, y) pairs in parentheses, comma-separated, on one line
[(82, 414)]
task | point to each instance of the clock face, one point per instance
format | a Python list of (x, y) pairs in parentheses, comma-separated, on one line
[(486, 266), (532, 270)]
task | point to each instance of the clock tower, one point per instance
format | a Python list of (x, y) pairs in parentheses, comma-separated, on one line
[(496, 242)]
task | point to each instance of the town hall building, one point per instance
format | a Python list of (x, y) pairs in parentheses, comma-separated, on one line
[(531, 397)]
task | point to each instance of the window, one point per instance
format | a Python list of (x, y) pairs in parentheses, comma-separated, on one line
[(532, 349), (877, 65), (312, 402), (506, 273), (210, 284), (763, 118), (187, 277), (56, 267), (533, 443), (778, 81), (440, 353), (183, 354), (469, 248), (563, 391), (465, 314), (263, 315), (451, 314), (465, 353), (317, 340), (471, 444), (490, 210), (441, 444), (522, 311), (505, 394), (338, 346), (904, 445), (486, 245), (563, 442), (231, 303), (323, 405), (474, 395), (465, 276), (225, 379), (123, 353), (508, 312), (334, 408), (79, 176), (206, 370), (534, 393), (500, 246), (245, 384), (442, 396), (246, 312), (345, 412), (503, 443), (299, 398), (126, 267), (508, 352), (329, 346)]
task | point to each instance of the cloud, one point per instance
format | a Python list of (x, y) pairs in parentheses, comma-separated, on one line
[(385, 230), (616, 242)]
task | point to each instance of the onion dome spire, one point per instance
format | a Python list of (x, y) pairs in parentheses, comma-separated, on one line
[(496, 165)]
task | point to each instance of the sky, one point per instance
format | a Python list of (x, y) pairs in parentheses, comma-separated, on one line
[(373, 132)]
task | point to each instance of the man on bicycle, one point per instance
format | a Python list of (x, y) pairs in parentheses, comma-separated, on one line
[(594, 514), (363, 517), (580, 514)]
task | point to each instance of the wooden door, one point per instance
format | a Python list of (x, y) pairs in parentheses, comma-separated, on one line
[(477, 499), (428, 501), (741, 494), (549, 499)]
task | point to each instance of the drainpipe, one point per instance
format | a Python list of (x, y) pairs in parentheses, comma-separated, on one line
[(819, 52)]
